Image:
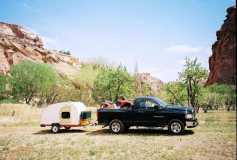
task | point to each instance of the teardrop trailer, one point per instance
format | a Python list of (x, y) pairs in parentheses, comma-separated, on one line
[(65, 115)]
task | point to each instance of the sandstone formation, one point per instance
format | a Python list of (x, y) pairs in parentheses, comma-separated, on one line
[(153, 82), (17, 44), (222, 63)]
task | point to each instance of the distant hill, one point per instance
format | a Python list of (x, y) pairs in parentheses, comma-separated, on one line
[(222, 63), (17, 44)]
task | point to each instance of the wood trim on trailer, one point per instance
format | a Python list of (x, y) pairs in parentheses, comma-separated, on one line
[(82, 123)]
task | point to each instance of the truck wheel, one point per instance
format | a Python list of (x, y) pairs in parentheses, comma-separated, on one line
[(176, 126), (55, 128), (116, 126)]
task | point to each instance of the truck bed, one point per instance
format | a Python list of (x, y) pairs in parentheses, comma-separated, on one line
[(104, 116)]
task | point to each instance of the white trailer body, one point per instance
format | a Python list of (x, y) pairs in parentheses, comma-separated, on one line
[(66, 114)]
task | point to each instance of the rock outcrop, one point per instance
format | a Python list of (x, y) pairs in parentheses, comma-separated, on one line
[(17, 44), (154, 83), (222, 63)]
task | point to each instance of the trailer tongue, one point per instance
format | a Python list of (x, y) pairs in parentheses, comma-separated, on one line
[(85, 118)]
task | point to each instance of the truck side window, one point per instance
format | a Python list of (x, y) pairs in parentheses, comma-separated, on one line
[(140, 104), (65, 115), (150, 104)]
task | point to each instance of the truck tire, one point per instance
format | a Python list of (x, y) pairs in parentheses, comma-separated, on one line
[(176, 126), (55, 128), (116, 126)]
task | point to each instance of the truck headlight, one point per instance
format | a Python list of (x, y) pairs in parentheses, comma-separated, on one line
[(189, 116)]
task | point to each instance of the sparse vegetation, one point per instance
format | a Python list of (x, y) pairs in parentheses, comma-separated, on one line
[(21, 138), (67, 52)]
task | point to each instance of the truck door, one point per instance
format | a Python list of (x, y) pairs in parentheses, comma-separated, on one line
[(137, 113), (144, 111), (150, 115)]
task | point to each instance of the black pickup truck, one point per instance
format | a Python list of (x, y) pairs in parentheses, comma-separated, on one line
[(149, 112)]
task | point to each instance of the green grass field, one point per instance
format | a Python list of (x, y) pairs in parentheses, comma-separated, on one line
[(21, 138)]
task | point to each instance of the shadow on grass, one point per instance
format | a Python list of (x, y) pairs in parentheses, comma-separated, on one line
[(141, 132), (62, 131)]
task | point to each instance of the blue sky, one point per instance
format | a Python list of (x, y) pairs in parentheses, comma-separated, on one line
[(158, 34)]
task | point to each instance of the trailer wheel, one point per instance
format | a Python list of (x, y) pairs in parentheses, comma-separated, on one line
[(55, 128), (116, 126)]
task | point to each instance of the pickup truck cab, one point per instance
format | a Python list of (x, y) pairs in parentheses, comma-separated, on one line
[(149, 112)]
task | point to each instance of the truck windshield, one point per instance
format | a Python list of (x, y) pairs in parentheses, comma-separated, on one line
[(161, 102)]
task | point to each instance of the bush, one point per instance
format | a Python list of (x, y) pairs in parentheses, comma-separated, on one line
[(218, 95), (7, 100), (65, 52)]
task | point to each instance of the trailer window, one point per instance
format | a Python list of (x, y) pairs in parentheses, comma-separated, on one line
[(66, 115)]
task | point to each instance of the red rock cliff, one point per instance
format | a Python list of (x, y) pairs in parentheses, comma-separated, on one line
[(17, 44), (222, 63)]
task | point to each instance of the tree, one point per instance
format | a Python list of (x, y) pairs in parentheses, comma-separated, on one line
[(192, 76), (3, 86), (65, 52), (112, 82), (175, 93), (84, 81), (29, 80)]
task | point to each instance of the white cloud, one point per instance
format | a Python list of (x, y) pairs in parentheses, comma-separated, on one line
[(184, 49)]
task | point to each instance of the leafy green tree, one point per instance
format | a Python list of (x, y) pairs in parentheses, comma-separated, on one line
[(65, 91), (29, 80), (3, 86), (192, 76), (112, 82), (175, 93), (84, 82)]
